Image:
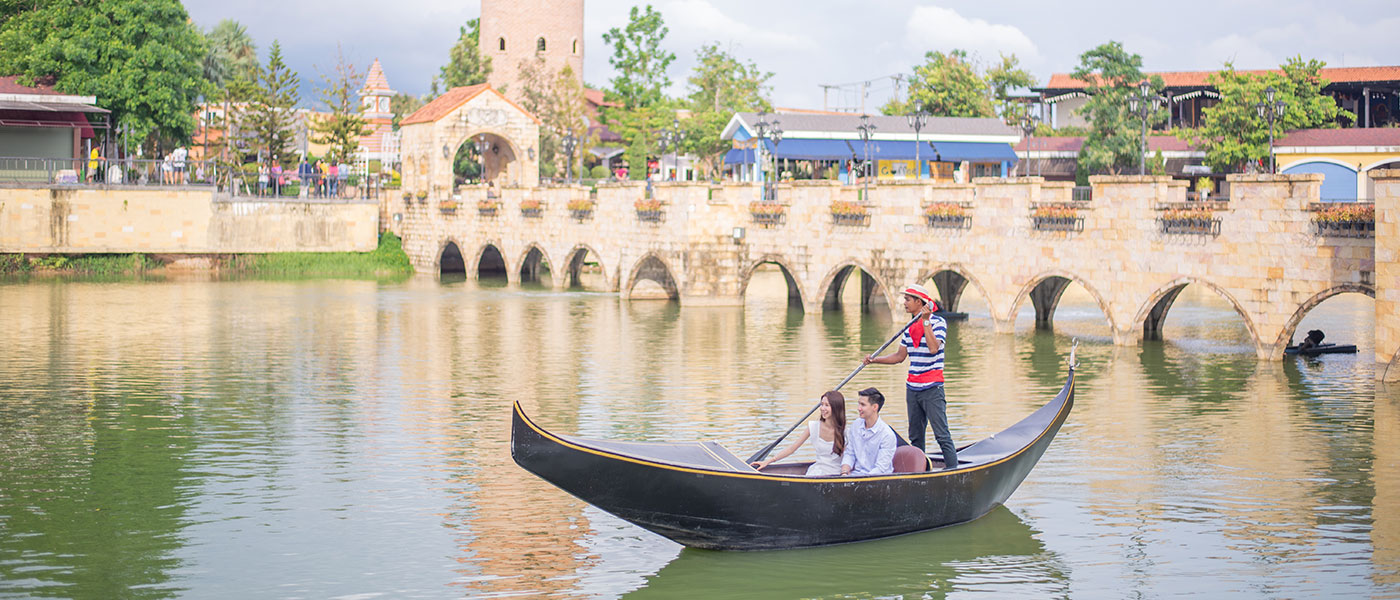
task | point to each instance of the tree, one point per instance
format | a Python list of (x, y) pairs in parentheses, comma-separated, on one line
[(272, 99), (231, 53), (557, 99), (947, 85), (721, 85), (1114, 140), (1002, 79), (640, 62), (465, 64), (142, 59), (343, 129), (1232, 133), (403, 105)]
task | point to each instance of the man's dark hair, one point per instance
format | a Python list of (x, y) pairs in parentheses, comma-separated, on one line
[(875, 396)]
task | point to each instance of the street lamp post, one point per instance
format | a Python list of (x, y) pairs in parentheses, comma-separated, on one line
[(1028, 124), (916, 121), (866, 129), (673, 138), (1271, 110), (1143, 104), (765, 129), (569, 143)]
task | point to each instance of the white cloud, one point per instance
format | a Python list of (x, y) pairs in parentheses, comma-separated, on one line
[(699, 21), (938, 28)]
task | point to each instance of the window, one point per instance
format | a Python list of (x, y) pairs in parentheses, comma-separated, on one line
[(539, 45), (575, 46), (501, 44)]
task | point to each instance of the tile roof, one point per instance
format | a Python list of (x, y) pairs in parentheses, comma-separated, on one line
[(595, 97), (453, 98), (1184, 79), (10, 85), (375, 79), (847, 122), (1376, 136)]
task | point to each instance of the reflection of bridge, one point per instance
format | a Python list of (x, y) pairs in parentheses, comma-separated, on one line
[(1262, 252)]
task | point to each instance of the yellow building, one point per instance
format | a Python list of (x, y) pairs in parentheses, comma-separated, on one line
[(1343, 156)]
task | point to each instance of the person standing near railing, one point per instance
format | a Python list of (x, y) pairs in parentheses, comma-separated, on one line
[(262, 179), (343, 173), (332, 177)]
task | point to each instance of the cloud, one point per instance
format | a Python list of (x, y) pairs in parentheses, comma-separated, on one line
[(938, 28), (700, 22)]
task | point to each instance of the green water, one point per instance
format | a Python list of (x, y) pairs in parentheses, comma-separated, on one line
[(323, 439)]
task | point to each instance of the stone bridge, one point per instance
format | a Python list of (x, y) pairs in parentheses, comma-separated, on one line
[(1261, 250)]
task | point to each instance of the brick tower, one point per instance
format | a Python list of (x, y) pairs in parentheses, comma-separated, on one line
[(375, 97), (516, 30)]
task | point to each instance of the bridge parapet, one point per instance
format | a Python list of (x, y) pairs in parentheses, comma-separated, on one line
[(1387, 273)]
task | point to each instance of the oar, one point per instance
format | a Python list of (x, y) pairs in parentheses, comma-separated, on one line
[(769, 448)]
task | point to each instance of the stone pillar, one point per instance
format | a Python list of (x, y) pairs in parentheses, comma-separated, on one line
[(1387, 273), (1270, 292)]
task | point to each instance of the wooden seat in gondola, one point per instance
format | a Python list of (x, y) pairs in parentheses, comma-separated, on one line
[(910, 459)]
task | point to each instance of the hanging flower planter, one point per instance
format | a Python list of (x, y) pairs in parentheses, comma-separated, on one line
[(649, 210), (1056, 217), (947, 215), (488, 208), (850, 213), (1189, 221), (448, 207), (581, 209), (531, 208), (1345, 219), (767, 214)]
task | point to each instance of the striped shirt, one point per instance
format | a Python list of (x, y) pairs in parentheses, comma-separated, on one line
[(925, 368)]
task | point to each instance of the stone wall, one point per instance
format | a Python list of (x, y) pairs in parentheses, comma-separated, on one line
[(1387, 273), (1259, 251), (99, 220)]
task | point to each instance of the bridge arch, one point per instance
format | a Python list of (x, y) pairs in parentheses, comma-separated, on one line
[(450, 259), (1289, 328), (489, 258), (573, 266), (1153, 313), (950, 280), (835, 281), (1045, 290), (652, 267), (795, 293), (531, 259)]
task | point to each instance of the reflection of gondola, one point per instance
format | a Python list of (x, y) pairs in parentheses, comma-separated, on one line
[(699, 494), (992, 554), (1322, 349)]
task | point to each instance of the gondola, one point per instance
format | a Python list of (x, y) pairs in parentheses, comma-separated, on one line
[(951, 316), (1322, 349), (700, 494)]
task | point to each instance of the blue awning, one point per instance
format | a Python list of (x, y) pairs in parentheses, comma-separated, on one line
[(802, 149), (744, 156), (974, 152), (893, 150)]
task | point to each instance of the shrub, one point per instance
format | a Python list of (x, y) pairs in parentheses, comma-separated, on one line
[(945, 209), (1346, 212), (599, 172)]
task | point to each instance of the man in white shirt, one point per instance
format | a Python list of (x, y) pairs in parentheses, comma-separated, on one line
[(870, 443)]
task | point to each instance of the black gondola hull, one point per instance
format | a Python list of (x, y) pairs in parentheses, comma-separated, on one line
[(729, 510)]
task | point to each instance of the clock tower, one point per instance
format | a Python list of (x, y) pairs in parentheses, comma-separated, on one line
[(375, 97)]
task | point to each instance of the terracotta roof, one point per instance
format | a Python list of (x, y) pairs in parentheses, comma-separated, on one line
[(1184, 79), (1376, 136), (1164, 143), (454, 98), (375, 79), (595, 97), (10, 85)]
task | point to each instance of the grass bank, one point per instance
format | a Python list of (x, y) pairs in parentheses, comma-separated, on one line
[(387, 259)]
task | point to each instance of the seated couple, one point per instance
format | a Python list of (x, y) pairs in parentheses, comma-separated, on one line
[(865, 447)]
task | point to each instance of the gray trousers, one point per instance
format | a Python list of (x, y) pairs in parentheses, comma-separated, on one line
[(930, 405)]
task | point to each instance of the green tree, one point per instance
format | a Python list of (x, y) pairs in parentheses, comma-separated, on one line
[(640, 62), (465, 65), (1114, 140), (341, 131), (272, 99), (947, 85), (721, 85), (556, 98), (142, 59), (1232, 133), (403, 105), (231, 53), (1004, 78)]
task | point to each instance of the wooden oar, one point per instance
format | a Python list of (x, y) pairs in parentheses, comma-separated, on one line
[(769, 448)]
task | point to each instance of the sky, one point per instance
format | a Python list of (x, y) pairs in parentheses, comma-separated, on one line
[(810, 43)]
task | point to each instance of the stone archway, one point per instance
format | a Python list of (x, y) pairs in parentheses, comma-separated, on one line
[(1045, 292), (532, 262), (950, 281), (1289, 328), (498, 156), (835, 282), (652, 268), (451, 261), (432, 135), (490, 261), (795, 294), (575, 264), (1153, 313)]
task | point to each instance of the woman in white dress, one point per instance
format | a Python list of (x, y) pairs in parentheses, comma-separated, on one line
[(828, 436)]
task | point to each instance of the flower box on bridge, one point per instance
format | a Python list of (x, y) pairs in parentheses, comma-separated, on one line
[(1345, 219), (488, 208), (767, 213), (1056, 217), (649, 210), (850, 213), (448, 207), (948, 215), (580, 209), (1195, 220), (531, 209)]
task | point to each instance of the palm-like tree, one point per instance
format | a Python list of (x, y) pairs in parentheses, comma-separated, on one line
[(231, 53)]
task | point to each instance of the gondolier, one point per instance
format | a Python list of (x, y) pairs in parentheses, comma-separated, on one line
[(922, 344)]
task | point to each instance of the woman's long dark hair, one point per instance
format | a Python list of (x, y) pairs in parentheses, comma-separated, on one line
[(838, 416)]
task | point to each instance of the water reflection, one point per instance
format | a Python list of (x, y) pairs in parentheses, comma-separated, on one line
[(997, 554), (261, 438)]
